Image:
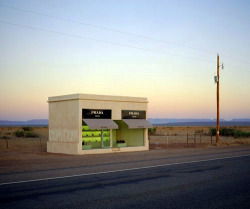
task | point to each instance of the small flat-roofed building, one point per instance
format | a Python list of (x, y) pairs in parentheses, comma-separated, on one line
[(92, 124)]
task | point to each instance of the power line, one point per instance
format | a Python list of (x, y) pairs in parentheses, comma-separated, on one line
[(103, 41), (238, 68), (114, 43), (118, 31), (239, 60), (108, 29)]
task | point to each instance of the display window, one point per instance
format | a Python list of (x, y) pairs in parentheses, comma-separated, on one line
[(94, 124), (125, 137), (99, 131), (95, 138)]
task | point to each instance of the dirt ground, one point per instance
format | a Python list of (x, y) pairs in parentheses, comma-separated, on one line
[(24, 153), (176, 137), (183, 130)]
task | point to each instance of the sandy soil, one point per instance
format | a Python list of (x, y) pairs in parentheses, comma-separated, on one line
[(183, 130), (24, 154), (176, 137)]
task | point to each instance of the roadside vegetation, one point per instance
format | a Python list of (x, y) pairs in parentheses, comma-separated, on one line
[(34, 138), (27, 128), (152, 131), (26, 132), (231, 132)]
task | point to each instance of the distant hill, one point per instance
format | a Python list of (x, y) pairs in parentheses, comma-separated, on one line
[(38, 121), (197, 122), (173, 120), (222, 123), (154, 121), (242, 119), (35, 122)]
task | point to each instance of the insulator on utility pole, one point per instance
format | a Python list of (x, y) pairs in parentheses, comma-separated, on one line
[(215, 79)]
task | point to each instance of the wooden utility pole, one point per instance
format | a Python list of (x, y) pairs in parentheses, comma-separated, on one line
[(218, 100)]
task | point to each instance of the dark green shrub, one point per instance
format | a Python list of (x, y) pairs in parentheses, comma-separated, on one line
[(237, 134), (231, 132), (27, 128), (5, 137), (152, 130), (227, 132), (213, 131), (242, 134), (19, 133), (31, 134)]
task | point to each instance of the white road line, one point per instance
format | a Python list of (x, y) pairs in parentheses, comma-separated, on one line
[(128, 169)]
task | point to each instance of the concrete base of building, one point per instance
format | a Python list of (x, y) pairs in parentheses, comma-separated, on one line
[(72, 149), (62, 147), (113, 150)]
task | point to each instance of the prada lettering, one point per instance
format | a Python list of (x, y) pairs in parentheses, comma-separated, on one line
[(96, 114), (133, 114)]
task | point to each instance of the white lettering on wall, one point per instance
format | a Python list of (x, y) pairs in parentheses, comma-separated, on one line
[(133, 113), (96, 112)]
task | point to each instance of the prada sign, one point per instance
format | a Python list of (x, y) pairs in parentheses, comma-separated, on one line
[(96, 114), (133, 114)]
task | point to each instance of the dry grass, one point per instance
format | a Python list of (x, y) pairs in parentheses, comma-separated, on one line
[(26, 154), (177, 137), (173, 137), (20, 142), (183, 130)]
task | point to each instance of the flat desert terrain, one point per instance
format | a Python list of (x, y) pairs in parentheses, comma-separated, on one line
[(174, 137), (23, 153)]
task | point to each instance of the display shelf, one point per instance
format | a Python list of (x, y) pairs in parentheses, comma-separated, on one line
[(95, 130), (96, 136), (121, 144), (94, 140), (95, 133), (86, 129), (86, 147), (93, 137)]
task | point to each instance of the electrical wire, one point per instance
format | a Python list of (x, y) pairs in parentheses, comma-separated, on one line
[(103, 41), (118, 31), (108, 29), (239, 60), (235, 67)]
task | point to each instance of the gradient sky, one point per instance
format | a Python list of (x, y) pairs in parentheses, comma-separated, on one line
[(36, 64)]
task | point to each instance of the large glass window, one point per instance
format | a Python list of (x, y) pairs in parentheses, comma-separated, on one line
[(125, 137), (95, 138)]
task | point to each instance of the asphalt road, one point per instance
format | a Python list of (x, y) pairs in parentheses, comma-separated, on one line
[(217, 181)]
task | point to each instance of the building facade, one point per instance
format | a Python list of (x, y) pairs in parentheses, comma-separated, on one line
[(92, 124)]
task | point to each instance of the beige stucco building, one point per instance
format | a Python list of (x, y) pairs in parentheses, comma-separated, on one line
[(92, 124)]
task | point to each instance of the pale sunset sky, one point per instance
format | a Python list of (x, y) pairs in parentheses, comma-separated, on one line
[(174, 68)]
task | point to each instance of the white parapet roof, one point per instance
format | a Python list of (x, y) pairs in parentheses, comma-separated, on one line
[(97, 98)]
